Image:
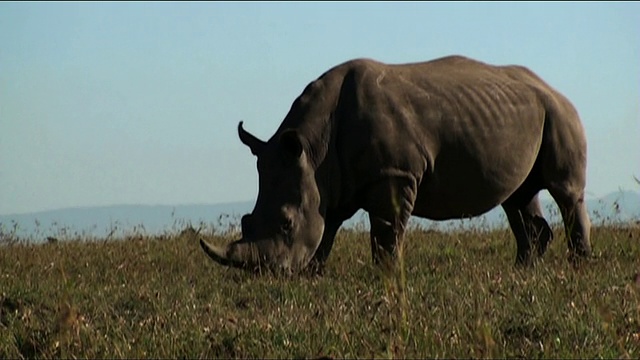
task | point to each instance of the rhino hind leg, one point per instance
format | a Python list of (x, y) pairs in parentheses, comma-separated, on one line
[(531, 230), (541, 233), (576, 221)]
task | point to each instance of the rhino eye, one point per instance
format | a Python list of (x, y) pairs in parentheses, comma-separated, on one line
[(286, 226)]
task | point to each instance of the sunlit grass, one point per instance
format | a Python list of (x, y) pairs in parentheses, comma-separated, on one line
[(457, 294)]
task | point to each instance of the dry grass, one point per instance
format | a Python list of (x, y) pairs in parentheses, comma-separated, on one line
[(456, 295)]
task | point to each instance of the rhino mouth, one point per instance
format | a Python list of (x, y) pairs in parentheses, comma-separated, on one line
[(262, 255)]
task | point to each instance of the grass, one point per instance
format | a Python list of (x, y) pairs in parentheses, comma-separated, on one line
[(456, 294)]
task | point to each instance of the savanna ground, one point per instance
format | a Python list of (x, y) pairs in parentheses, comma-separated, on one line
[(456, 294)]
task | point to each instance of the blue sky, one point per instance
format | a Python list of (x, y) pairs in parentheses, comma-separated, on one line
[(138, 103)]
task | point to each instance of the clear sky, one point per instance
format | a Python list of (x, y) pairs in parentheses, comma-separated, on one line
[(138, 103)]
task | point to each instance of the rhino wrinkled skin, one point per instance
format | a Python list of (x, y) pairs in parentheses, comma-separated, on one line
[(444, 139)]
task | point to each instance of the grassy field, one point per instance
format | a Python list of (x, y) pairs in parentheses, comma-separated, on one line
[(456, 295)]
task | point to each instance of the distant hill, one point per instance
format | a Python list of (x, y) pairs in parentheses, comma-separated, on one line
[(116, 221)]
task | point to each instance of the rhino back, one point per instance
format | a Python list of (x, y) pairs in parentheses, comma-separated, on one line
[(469, 133)]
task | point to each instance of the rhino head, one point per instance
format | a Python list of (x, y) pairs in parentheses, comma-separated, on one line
[(286, 225)]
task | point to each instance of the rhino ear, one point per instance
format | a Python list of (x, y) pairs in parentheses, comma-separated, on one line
[(256, 145), (291, 142)]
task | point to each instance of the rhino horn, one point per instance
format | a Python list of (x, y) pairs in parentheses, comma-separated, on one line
[(235, 255), (215, 252), (256, 145)]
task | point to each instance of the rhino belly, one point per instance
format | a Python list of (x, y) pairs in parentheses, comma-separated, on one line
[(470, 183)]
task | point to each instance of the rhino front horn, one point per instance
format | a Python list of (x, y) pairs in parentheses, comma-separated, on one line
[(231, 255), (217, 253)]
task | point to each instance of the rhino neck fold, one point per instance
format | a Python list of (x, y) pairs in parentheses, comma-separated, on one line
[(313, 114)]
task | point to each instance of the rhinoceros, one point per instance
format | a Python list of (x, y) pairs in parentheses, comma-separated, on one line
[(443, 139)]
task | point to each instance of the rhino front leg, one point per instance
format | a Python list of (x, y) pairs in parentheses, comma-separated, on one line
[(389, 210), (384, 240), (326, 244)]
